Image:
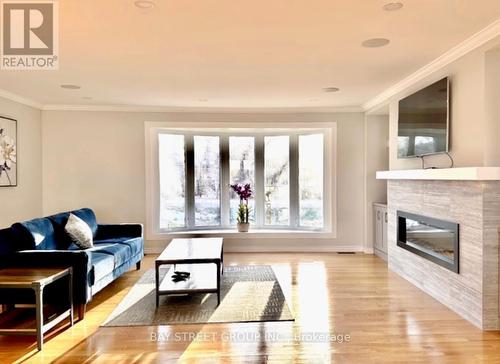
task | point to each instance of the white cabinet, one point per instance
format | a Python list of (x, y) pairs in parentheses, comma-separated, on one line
[(380, 230)]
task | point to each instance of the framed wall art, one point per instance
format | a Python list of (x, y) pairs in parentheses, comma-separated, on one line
[(8, 152)]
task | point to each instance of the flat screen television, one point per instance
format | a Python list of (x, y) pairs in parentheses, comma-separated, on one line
[(424, 120)]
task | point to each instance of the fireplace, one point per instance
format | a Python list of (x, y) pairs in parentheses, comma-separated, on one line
[(432, 239)]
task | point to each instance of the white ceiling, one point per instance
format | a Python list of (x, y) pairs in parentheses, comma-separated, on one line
[(244, 54)]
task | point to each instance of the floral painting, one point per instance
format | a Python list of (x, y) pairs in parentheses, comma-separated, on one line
[(8, 152)]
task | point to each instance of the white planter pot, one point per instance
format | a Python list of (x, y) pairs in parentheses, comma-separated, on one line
[(243, 227)]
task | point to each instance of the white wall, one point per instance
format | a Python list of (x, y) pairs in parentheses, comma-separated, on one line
[(469, 126), (492, 109), (96, 159), (24, 201), (376, 159)]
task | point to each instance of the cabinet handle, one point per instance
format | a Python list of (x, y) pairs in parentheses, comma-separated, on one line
[(386, 217), (378, 215)]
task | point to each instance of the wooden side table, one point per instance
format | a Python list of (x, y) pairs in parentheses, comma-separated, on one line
[(37, 279)]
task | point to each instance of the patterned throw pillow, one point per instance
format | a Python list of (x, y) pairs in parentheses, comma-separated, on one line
[(79, 232)]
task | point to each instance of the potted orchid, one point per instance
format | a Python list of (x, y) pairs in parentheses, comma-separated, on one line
[(244, 192)]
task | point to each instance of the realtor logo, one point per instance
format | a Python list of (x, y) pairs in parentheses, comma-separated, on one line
[(30, 37)]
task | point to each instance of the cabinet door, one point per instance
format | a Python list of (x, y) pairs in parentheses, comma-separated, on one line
[(378, 227), (384, 230)]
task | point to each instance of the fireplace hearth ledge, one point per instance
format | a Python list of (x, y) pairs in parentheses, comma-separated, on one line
[(450, 174)]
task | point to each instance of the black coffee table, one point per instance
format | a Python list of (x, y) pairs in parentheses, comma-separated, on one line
[(202, 257)]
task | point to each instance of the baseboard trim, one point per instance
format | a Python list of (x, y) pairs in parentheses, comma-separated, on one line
[(270, 248), (381, 254)]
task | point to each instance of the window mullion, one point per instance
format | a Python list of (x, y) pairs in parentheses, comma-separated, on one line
[(190, 223), (225, 177), (294, 181), (259, 194)]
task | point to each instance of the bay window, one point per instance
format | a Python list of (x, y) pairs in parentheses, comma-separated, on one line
[(241, 171), (311, 179), (172, 181), (206, 180), (277, 180), (191, 171)]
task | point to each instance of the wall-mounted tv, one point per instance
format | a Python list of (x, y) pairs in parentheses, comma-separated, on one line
[(424, 120)]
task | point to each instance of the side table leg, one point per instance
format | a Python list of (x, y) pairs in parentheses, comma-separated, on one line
[(157, 274), (222, 260), (218, 282), (39, 316)]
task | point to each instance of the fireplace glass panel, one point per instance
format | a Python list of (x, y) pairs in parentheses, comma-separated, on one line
[(430, 239), (433, 239)]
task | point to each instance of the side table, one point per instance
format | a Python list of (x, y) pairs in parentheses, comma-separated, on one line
[(37, 279)]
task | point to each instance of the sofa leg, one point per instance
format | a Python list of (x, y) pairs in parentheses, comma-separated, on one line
[(138, 265), (81, 311)]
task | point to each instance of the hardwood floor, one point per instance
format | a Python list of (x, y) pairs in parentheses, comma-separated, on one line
[(376, 317)]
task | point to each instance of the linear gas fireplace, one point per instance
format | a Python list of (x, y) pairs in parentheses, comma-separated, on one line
[(432, 239)]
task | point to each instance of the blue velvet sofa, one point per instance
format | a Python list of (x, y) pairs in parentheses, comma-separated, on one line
[(43, 242)]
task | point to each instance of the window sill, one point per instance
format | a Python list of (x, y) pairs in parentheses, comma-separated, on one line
[(251, 234)]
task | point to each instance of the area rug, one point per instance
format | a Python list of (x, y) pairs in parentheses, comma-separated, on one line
[(248, 294)]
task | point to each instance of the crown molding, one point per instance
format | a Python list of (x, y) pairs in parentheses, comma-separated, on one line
[(478, 39), (139, 108), (20, 99)]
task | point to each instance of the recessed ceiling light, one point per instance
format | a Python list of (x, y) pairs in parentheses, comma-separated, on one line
[(375, 42), (392, 6), (71, 87), (144, 4), (331, 89)]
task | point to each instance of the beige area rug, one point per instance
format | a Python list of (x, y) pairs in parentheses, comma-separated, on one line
[(248, 294)]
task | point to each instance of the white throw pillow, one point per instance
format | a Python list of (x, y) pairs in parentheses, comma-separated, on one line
[(79, 232)]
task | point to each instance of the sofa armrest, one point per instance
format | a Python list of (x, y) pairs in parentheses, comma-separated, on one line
[(109, 231), (78, 259)]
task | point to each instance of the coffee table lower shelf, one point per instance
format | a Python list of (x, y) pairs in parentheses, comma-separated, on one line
[(203, 279)]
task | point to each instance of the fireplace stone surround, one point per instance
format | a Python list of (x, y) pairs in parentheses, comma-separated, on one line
[(471, 198)]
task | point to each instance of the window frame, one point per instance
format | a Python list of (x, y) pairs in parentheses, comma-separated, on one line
[(224, 131)]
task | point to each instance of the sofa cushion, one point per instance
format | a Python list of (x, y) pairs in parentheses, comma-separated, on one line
[(133, 245), (88, 216), (59, 220), (102, 265), (121, 254), (106, 256), (85, 214), (35, 234)]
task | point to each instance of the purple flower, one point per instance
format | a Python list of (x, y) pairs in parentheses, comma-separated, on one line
[(244, 192)]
